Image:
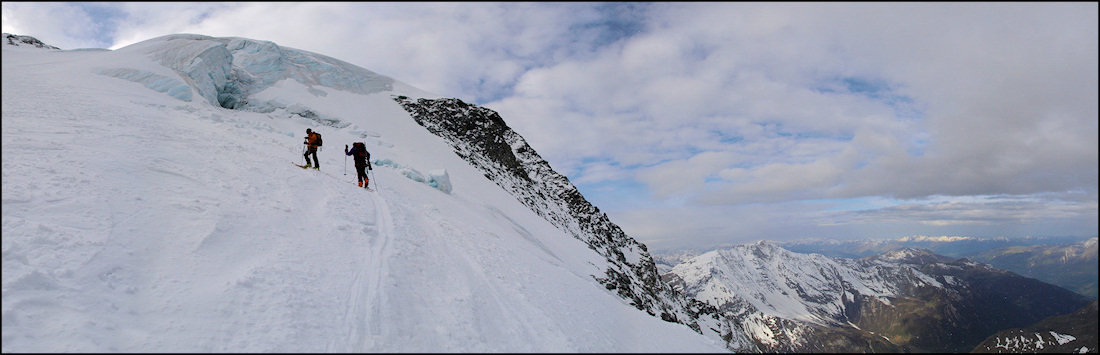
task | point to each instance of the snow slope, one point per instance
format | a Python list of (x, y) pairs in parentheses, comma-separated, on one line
[(141, 215)]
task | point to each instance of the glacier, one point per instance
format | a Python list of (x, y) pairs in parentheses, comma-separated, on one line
[(225, 71), (138, 218)]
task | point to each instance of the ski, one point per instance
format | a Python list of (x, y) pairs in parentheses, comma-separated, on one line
[(356, 183), (352, 182)]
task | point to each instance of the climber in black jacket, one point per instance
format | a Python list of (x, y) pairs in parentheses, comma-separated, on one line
[(362, 161)]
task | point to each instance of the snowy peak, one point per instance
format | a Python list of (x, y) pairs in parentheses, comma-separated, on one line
[(767, 249), (1091, 243), (25, 41), (916, 256)]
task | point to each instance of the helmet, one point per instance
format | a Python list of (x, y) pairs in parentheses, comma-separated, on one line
[(308, 130)]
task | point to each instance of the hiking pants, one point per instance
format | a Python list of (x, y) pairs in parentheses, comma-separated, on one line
[(362, 171), (314, 152)]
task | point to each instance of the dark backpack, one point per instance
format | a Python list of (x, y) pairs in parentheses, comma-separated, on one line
[(362, 153), (318, 138)]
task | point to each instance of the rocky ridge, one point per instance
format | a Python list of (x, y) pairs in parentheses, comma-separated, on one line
[(480, 136)]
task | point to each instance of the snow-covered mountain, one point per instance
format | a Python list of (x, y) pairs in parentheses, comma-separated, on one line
[(904, 300), (149, 204), (1069, 262)]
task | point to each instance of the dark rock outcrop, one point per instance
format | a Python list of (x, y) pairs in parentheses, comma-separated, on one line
[(17, 40)]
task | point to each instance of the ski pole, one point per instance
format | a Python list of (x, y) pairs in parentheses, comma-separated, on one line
[(345, 159), (374, 178)]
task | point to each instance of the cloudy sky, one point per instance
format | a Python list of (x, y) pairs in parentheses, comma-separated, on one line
[(697, 124)]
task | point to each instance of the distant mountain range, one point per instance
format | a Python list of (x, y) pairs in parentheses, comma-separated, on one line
[(906, 300), (1069, 262), (1073, 266)]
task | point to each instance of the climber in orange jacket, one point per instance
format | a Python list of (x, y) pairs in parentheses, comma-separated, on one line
[(313, 140)]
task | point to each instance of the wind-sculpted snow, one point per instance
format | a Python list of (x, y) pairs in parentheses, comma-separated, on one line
[(225, 71), (481, 137)]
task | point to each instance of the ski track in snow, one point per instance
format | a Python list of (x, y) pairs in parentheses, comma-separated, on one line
[(365, 296), (379, 254), (116, 222)]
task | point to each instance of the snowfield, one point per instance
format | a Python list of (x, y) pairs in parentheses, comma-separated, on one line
[(138, 216)]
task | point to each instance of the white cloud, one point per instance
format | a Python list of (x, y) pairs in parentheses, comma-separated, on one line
[(664, 227), (58, 24), (726, 104), (999, 106)]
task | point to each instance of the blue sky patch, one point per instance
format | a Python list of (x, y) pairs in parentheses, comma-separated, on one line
[(618, 21), (727, 138), (877, 89), (622, 194), (106, 18)]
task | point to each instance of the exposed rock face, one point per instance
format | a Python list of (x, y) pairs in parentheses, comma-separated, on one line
[(1068, 333), (481, 137), (17, 40)]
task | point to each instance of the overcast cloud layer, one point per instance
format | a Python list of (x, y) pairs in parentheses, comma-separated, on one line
[(695, 124)]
